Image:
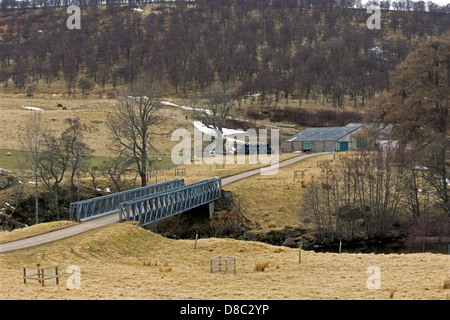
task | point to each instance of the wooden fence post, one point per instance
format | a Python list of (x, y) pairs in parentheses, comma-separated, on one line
[(57, 276)]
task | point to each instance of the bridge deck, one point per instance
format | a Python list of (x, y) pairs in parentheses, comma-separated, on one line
[(165, 204)]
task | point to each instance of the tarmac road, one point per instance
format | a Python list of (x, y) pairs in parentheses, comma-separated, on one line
[(113, 217)]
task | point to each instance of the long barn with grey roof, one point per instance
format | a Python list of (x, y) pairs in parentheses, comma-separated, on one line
[(324, 139)]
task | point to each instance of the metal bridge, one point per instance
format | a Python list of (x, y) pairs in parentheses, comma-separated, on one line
[(162, 205), (100, 206)]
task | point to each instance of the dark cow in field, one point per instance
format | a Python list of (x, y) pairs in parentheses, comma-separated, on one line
[(64, 108), (60, 105)]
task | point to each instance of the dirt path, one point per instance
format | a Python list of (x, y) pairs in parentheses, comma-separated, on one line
[(112, 218)]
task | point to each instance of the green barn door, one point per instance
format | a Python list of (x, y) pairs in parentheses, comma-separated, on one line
[(307, 145), (343, 145)]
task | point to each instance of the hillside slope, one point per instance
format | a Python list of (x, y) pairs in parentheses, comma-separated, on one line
[(317, 50)]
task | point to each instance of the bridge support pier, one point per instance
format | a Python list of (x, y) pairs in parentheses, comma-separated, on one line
[(203, 212), (211, 210)]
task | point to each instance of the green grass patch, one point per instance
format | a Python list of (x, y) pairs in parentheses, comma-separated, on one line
[(12, 159), (16, 159)]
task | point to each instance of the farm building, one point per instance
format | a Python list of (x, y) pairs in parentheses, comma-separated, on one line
[(381, 136), (325, 139)]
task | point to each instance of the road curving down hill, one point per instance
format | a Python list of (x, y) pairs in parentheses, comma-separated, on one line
[(112, 218)]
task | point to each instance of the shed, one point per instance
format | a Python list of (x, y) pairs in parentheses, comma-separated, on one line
[(324, 139)]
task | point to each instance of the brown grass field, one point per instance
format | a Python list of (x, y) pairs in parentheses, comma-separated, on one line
[(92, 112), (124, 261)]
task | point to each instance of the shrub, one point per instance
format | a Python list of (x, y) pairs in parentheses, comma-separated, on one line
[(260, 267), (252, 113), (319, 118), (432, 224), (446, 284)]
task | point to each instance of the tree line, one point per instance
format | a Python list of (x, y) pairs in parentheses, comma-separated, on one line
[(401, 5), (60, 159), (318, 50), (369, 193)]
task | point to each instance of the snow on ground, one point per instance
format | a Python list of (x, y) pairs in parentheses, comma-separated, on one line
[(33, 108), (212, 132), (167, 103), (170, 104), (253, 95), (226, 133), (131, 97)]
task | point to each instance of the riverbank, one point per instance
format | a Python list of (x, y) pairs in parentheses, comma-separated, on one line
[(233, 224)]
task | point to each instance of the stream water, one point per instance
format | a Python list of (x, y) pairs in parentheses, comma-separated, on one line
[(386, 248)]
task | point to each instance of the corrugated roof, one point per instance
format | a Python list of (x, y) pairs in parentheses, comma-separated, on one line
[(324, 133)]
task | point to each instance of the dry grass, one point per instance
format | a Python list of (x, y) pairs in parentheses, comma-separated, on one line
[(446, 283), (391, 293), (260, 267), (123, 261), (34, 230), (280, 206), (198, 172), (91, 111)]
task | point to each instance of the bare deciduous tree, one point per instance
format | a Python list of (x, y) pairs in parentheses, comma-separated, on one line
[(134, 124), (363, 189), (213, 109), (116, 169), (417, 105), (54, 161), (72, 141), (32, 144), (77, 150), (215, 106)]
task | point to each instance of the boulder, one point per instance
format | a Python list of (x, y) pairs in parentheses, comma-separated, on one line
[(3, 183), (289, 242)]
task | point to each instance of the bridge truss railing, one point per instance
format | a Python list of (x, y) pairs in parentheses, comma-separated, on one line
[(163, 205), (100, 206)]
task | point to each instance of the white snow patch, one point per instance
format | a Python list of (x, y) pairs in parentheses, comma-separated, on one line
[(33, 108), (212, 132), (167, 103), (253, 95), (10, 206), (170, 104), (131, 97)]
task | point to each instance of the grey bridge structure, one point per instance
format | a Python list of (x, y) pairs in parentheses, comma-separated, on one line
[(165, 204), (151, 203)]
